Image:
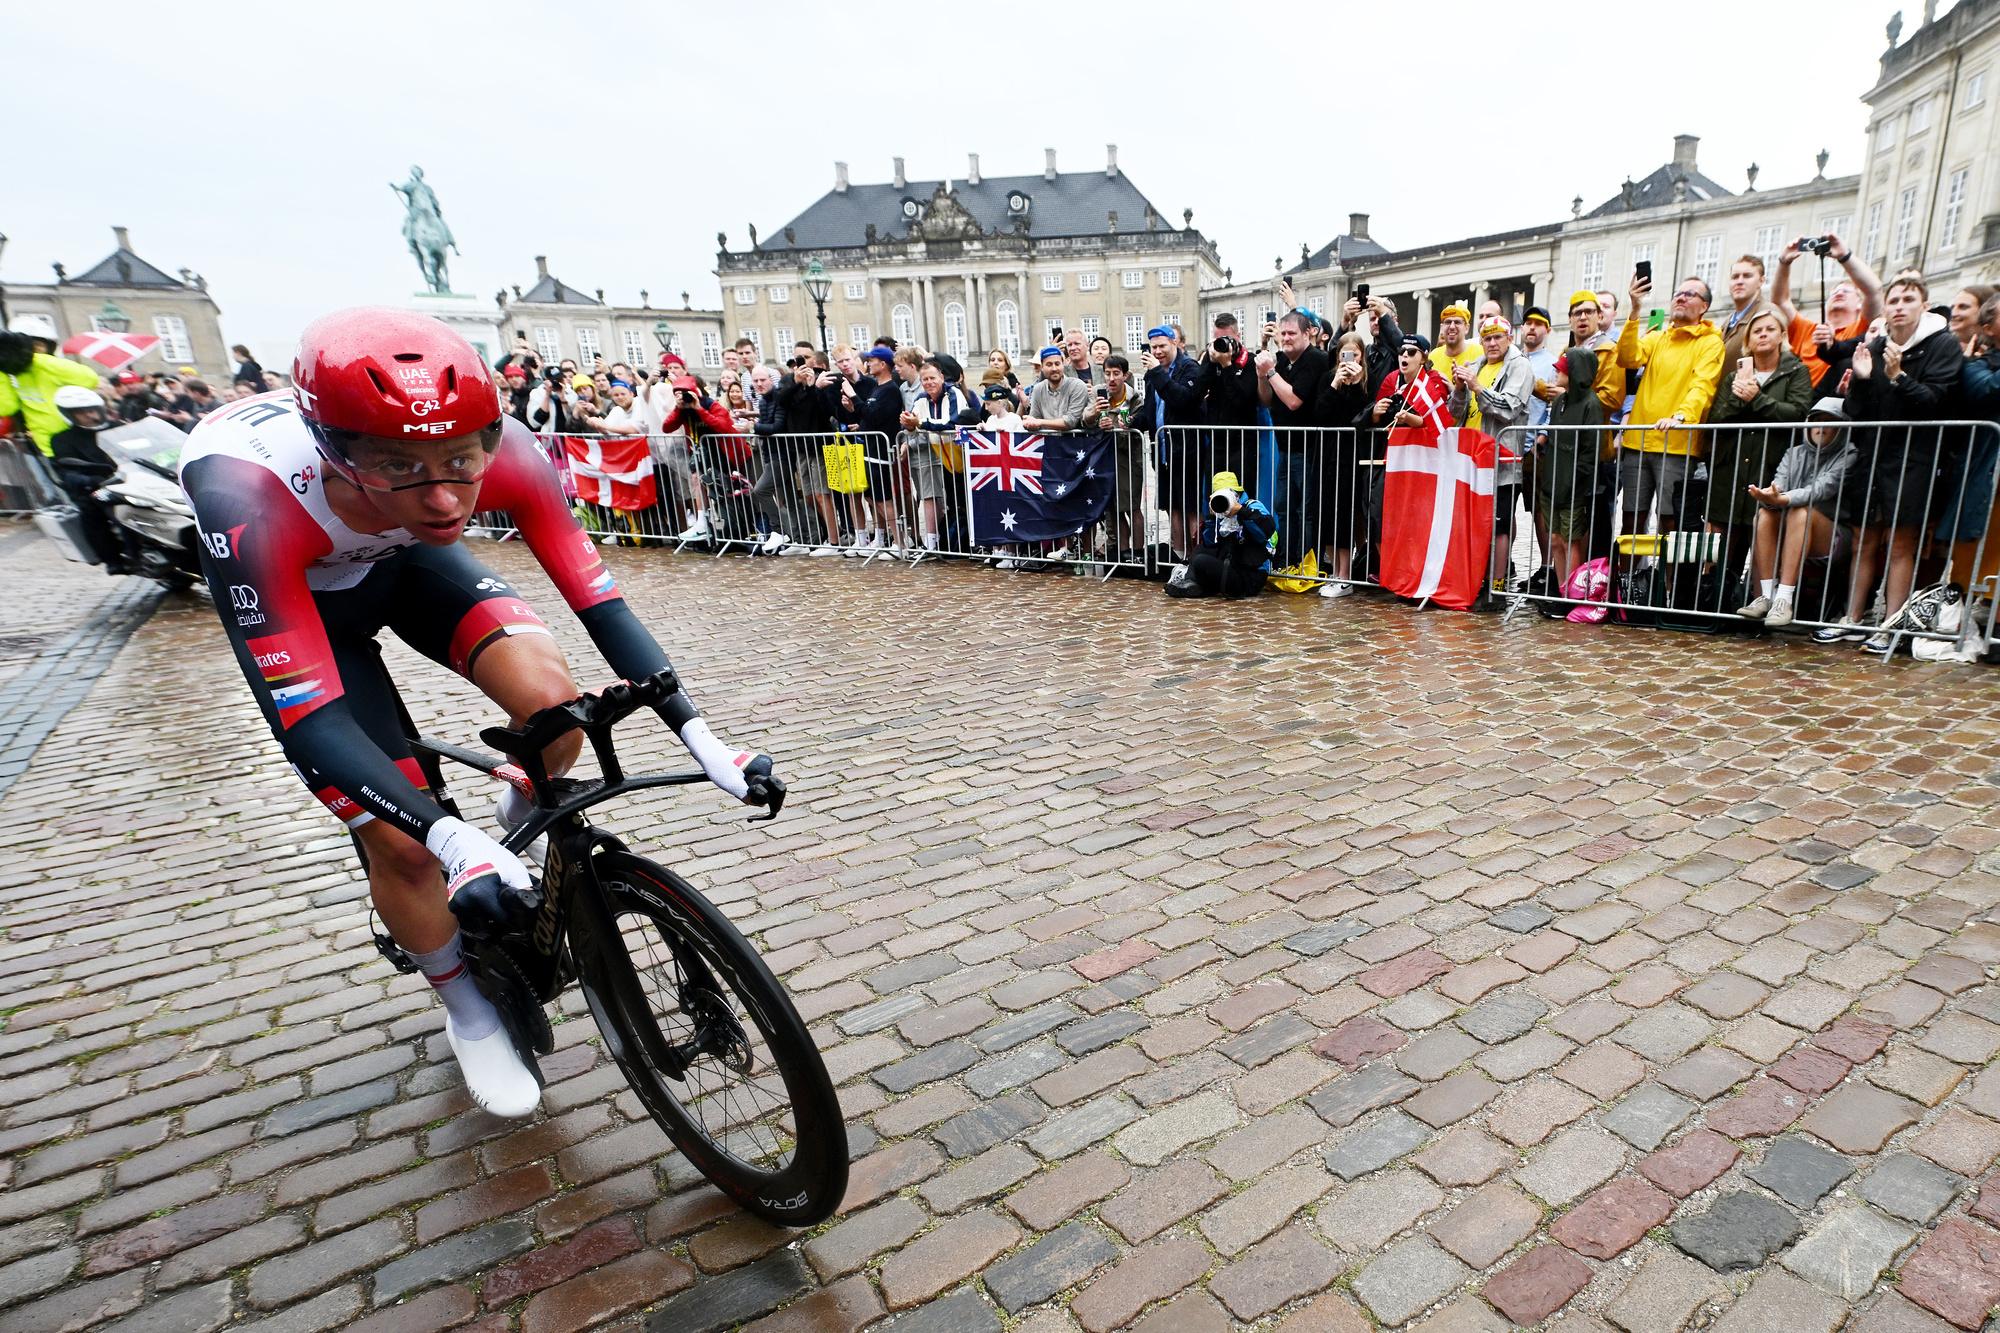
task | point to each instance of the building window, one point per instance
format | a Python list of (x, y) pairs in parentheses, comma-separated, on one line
[(1768, 247), (1086, 282), (856, 291), (858, 335), (548, 344), (711, 348), (1170, 277), (1954, 207), (1975, 90), (1134, 278), (756, 337), (954, 329), (1885, 133), (1051, 329), (1837, 225), (1135, 332), (1872, 247), (1051, 282), (635, 348), (1007, 318), (588, 349), (173, 334), (1317, 304), (1642, 253), (1592, 272), (781, 292), (1708, 259), (1092, 326), (1920, 116), (782, 339), (1906, 223), (746, 296), (903, 324)]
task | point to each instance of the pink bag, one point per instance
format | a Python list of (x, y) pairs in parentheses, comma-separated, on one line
[(1591, 582)]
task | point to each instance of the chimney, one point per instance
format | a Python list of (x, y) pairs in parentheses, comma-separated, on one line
[(1111, 159), (1684, 145), (541, 266), (124, 237), (1048, 164), (1357, 226), (840, 178), (900, 180), (972, 171)]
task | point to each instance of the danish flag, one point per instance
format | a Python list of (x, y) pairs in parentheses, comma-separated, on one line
[(108, 349), (1437, 513)]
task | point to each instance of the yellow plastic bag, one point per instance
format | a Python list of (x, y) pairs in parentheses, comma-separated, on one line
[(846, 469), (1302, 577)]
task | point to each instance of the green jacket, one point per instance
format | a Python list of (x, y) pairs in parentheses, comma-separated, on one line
[(1741, 458)]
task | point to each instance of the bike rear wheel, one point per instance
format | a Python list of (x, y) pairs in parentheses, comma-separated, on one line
[(710, 1041)]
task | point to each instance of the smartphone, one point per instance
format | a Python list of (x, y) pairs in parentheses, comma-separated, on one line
[(1361, 292), (1656, 319), (1742, 365), (1348, 356), (1270, 317), (1643, 271)]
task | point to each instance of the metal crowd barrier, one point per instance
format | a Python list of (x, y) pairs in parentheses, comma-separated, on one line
[(1677, 540), (1322, 484)]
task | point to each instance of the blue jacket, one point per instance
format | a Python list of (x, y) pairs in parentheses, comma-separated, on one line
[(1174, 393), (1252, 543)]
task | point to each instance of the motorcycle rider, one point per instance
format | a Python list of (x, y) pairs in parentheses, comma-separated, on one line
[(81, 466)]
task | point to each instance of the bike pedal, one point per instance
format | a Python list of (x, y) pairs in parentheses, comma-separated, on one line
[(390, 950)]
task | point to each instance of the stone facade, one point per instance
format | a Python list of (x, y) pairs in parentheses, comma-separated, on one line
[(559, 321), (178, 310)]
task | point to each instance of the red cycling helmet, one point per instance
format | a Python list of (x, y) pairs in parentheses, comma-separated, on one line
[(390, 373)]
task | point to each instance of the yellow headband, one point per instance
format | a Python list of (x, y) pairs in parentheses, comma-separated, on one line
[(1458, 310)]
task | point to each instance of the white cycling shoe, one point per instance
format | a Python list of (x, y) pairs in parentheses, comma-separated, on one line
[(494, 1074)]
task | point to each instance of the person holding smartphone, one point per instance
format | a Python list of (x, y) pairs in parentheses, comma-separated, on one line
[(1683, 364), (1342, 403)]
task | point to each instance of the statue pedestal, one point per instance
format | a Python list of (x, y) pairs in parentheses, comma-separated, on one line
[(471, 318)]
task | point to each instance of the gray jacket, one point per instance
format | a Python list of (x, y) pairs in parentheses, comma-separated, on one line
[(1810, 475), (1500, 406), (1067, 401)]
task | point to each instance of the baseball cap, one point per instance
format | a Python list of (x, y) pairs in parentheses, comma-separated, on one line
[(128, 377), (682, 384), (994, 393), (672, 359), (880, 353)]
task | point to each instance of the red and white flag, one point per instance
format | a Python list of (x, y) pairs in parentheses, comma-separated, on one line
[(1437, 513), (108, 349), (615, 471)]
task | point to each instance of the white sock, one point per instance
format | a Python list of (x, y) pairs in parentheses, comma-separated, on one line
[(1767, 585), (515, 805), (1786, 591), (723, 765), (471, 1013), (930, 541)]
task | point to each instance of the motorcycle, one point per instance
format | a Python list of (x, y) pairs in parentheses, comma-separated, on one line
[(150, 519)]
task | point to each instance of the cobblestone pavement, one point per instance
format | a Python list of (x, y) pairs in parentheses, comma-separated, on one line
[(1183, 967)]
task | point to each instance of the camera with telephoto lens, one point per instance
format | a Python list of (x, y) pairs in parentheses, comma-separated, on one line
[(553, 374), (1815, 245), (1221, 503), (1227, 346), (1395, 401)]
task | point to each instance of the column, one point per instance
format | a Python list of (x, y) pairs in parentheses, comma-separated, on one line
[(1481, 292), (878, 318), (1032, 336), (982, 334), (1544, 293), (1426, 322), (926, 296)]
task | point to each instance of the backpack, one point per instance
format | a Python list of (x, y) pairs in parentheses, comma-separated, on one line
[(1592, 582)]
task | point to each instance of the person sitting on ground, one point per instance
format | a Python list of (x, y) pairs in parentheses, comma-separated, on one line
[(1796, 513), (1237, 541)]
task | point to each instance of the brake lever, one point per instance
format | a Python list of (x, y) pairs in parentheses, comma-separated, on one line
[(773, 790)]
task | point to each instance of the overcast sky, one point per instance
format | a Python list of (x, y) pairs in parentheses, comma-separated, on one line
[(256, 144)]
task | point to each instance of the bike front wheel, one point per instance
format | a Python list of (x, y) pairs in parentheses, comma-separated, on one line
[(710, 1041)]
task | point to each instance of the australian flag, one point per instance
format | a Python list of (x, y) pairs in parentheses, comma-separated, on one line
[(1034, 487)]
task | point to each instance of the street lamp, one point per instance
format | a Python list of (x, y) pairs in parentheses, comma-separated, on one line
[(113, 320), (664, 333), (818, 286)]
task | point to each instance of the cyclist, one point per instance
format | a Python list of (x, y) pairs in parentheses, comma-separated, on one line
[(333, 510)]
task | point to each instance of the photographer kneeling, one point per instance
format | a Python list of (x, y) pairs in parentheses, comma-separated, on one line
[(1237, 540)]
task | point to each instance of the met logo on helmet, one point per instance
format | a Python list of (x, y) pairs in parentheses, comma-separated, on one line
[(428, 427)]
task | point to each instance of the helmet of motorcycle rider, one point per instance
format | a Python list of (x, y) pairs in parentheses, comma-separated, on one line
[(372, 371), (82, 408)]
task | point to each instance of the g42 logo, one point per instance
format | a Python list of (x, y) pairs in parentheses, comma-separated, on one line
[(224, 545), (303, 478)]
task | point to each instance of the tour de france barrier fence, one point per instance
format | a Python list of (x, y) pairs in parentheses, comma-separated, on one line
[(1667, 541)]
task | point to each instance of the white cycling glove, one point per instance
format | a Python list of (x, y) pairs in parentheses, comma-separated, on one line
[(487, 887)]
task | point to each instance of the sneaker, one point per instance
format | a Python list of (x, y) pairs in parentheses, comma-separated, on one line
[(1007, 562), (1878, 642), (1781, 613), (894, 550), (797, 548), (1757, 610), (696, 530), (775, 543), (859, 546), (1335, 589), (494, 1074), (1844, 629), (826, 550)]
